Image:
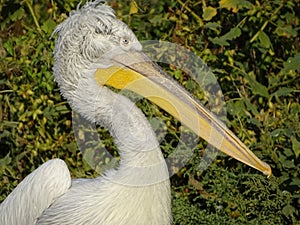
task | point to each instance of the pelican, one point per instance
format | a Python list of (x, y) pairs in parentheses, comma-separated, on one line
[(95, 52)]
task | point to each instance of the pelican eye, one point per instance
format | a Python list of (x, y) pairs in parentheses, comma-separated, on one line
[(125, 41)]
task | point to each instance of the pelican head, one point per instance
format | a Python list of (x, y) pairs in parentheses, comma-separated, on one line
[(89, 38), (95, 50)]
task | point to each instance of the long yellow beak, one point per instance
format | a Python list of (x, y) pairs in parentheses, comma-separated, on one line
[(137, 73)]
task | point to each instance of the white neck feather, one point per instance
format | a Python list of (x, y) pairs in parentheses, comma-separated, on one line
[(138, 147)]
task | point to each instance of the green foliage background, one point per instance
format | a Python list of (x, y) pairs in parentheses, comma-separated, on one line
[(252, 48)]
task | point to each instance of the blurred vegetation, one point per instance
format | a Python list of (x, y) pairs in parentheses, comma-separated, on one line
[(252, 48)]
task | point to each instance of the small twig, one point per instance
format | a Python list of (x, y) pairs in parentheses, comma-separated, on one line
[(204, 4), (34, 17), (54, 9), (266, 23), (192, 12), (285, 83), (260, 30), (1, 114), (61, 103), (6, 91)]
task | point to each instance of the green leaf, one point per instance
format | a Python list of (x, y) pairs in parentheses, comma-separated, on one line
[(178, 74), (288, 210), (260, 89), (251, 107), (293, 63), (133, 7), (157, 19), (295, 181), (283, 91), (295, 146), (229, 4), (71, 147), (62, 109), (286, 31), (234, 4), (18, 14), (212, 25), (9, 47), (49, 26), (257, 88), (190, 84), (5, 161), (209, 12), (264, 39), (3, 81), (232, 34), (236, 107)]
